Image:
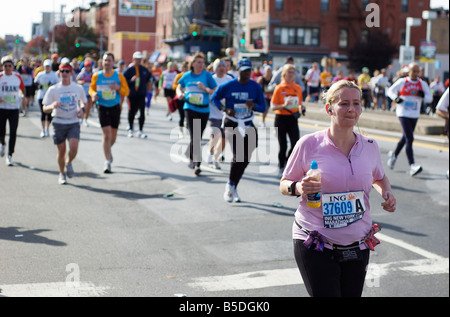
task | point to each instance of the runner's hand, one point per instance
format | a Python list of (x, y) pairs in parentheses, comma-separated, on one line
[(390, 202)]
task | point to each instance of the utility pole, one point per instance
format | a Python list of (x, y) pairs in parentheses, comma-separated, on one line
[(230, 12)]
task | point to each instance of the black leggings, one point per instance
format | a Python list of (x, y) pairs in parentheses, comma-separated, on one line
[(408, 126), (44, 116), (196, 122), (136, 103), (287, 125), (13, 117), (326, 277), (242, 148)]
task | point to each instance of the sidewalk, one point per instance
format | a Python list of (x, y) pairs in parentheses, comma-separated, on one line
[(430, 129)]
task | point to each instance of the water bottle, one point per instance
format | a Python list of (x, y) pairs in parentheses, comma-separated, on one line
[(314, 200)]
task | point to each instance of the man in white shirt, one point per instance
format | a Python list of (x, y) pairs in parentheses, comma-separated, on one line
[(63, 100), (408, 93), (44, 80), (12, 89), (313, 83)]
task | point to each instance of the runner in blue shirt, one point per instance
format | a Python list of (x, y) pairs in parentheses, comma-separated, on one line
[(195, 86), (242, 97)]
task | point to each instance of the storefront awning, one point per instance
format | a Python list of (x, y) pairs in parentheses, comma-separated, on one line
[(154, 57)]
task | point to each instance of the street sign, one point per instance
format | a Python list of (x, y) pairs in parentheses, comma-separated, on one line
[(407, 54), (427, 51), (213, 32)]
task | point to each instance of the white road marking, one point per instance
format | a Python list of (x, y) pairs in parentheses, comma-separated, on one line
[(432, 264), (58, 289)]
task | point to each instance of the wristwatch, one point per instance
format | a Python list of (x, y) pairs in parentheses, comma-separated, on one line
[(291, 189)]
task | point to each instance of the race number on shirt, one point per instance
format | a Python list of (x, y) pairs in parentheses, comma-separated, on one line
[(342, 209)]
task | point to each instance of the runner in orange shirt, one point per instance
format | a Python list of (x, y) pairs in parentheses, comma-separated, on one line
[(286, 102)]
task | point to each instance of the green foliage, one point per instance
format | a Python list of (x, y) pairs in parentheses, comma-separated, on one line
[(375, 53), (66, 37)]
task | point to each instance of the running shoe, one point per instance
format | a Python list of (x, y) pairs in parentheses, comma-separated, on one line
[(42, 135), (392, 159), (130, 133), (211, 159), (228, 195), (142, 135), (236, 197), (107, 167), (62, 179), (9, 161), (2, 150), (415, 169), (217, 165), (197, 170), (69, 170)]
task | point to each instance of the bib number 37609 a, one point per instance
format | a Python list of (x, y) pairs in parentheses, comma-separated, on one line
[(342, 209)]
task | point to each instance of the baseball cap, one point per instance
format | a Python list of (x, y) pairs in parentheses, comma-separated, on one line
[(7, 59), (289, 59), (47, 62), (244, 64), (365, 69), (218, 63), (138, 55)]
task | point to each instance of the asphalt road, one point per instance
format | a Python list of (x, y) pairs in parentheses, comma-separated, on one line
[(152, 228)]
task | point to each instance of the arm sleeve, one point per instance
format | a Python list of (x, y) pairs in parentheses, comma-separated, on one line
[(124, 90), (395, 88), (93, 86)]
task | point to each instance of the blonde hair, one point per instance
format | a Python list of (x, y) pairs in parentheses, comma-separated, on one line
[(285, 70), (329, 96)]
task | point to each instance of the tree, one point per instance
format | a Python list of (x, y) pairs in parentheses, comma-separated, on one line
[(66, 38), (375, 52), (37, 46)]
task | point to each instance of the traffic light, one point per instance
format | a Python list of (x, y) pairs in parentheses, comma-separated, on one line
[(194, 29), (17, 40), (242, 40), (77, 44)]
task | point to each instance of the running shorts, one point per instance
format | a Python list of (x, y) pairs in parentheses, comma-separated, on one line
[(109, 116), (63, 132)]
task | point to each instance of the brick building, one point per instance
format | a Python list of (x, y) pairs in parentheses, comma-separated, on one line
[(124, 22), (310, 30)]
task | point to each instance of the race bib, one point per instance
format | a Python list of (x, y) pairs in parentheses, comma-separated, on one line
[(68, 102), (196, 98), (342, 209), (10, 98), (292, 102), (410, 105), (107, 92), (241, 110)]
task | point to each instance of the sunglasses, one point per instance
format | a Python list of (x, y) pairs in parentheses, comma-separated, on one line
[(65, 71)]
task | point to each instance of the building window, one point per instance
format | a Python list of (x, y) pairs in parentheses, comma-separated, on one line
[(364, 36), (324, 5), (279, 4), (405, 4), (345, 5), (343, 38), (296, 36)]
